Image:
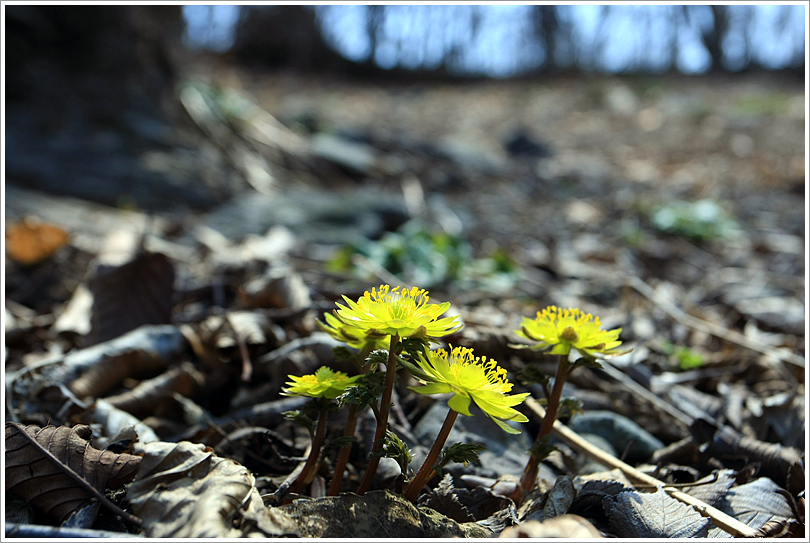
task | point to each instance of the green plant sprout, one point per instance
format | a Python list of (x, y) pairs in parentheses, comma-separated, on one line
[(686, 357), (702, 220), (395, 314), (469, 378), (324, 385), (561, 330), (363, 395), (431, 259)]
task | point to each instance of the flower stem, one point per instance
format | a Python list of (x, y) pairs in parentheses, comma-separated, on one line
[(529, 477), (426, 471), (343, 456), (308, 473), (382, 420)]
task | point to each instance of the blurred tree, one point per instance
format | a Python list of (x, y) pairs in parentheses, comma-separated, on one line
[(89, 90), (283, 36)]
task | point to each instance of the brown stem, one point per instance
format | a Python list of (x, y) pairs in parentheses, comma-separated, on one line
[(529, 477), (382, 420), (426, 471), (343, 456), (308, 473)]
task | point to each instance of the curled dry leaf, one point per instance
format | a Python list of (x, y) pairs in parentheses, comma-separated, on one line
[(117, 422), (185, 490), (102, 367), (282, 288), (56, 468), (724, 441), (142, 399), (217, 339), (755, 504)]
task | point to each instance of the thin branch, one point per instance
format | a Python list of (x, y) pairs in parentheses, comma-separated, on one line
[(642, 392), (572, 439)]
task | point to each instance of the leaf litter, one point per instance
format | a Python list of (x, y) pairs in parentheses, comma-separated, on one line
[(180, 351)]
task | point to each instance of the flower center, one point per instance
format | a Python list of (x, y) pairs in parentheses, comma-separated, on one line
[(569, 334)]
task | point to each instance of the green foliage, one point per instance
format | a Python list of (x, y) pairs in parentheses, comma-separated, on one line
[(415, 345), (461, 453), (702, 220), (569, 407), (771, 104), (531, 374), (431, 259), (366, 393), (687, 358), (300, 418), (394, 447), (541, 449), (377, 357), (338, 443)]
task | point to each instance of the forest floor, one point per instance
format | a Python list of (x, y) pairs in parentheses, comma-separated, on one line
[(671, 207)]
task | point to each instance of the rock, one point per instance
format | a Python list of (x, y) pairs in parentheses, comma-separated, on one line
[(621, 432), (376, 514), (522, 145)]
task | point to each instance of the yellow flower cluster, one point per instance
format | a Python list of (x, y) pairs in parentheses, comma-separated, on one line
[(471, 378), (563, 329), (390, 312), (324, 383)]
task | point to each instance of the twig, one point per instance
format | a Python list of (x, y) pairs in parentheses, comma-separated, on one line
[(572, 439), (716, 330), (644, 393), (36, 531), (381, 273), (247, 366)]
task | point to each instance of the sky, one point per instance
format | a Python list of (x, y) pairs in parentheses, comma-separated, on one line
[(502, 51)]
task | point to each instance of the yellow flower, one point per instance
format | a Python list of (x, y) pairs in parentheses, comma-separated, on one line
[(324, 383), (563, 329), (352, 336), (402, 312), (469, 377)]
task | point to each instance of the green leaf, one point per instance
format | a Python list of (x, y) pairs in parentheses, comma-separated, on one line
[(569, 407), (531, 374), (541, 449), (461, 453), (300, 418), (394, 447)]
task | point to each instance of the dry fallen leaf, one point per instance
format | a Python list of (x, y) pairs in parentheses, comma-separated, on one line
[(31, 241), (655, 515), (39, 462), (94, 371), (130, 295), (185, 490)]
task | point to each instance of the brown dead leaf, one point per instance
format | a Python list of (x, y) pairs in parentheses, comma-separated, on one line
[(656, 515), (31, 241), (142, 399), (131, 295), (279, 287), (102, 367), (185, 490), (56, 468)]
